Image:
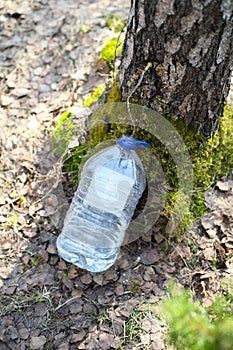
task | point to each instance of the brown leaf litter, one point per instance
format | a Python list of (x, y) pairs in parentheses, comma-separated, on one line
[(47, 65)]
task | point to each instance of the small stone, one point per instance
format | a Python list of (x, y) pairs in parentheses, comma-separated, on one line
[(118, 328), (147, 287), (123, 311), (5, 272), (206, 222), (59, 339), (37, 342), (38, 71), (229, 265), (8, 322), (53, 259), (26, 259), (3, 218), (147, 238)]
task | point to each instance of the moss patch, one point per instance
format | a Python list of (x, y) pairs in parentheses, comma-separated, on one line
[(212, 158), (62, 133), (94, 96), (111, 50), (114, 94), (115, 23)]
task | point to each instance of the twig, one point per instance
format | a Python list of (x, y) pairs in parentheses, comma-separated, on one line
[(66, 302)]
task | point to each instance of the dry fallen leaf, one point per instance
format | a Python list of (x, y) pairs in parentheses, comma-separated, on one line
[(150, 257), (209, 253), (225, 185)]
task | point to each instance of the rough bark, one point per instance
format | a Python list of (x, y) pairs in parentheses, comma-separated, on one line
[(190, 45)]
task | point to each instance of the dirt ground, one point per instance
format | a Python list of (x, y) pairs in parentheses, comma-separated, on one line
[(47, 64)]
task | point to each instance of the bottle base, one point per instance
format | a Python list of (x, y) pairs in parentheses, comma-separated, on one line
[(88, 258)]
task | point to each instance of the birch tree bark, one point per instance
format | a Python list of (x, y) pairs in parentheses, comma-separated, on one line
[(190, 46)]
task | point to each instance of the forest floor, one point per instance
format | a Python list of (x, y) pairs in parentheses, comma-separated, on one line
[(49, 62)]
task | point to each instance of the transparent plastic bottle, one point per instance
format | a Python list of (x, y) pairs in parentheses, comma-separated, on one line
[(112, 182)]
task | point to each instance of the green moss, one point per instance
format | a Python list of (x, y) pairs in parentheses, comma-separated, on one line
[(37, 260), (62, 133), (135, 286), (212, 157), (114, 94), (182, 203), (94, 96), (111, 50), (115, 23)]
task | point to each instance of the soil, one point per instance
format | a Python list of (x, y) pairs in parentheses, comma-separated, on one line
[(49, 63)]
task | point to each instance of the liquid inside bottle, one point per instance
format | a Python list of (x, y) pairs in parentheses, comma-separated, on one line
[(112, 182)]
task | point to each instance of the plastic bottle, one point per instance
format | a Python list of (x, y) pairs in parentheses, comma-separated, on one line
[(112, 182)]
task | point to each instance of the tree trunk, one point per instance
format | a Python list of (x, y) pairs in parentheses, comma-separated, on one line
[(190, 46)]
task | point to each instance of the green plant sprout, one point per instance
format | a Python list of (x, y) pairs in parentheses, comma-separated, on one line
[(133, 326), (195, 327)]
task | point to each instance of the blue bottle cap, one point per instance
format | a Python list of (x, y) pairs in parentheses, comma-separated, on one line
[(130, 143)]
